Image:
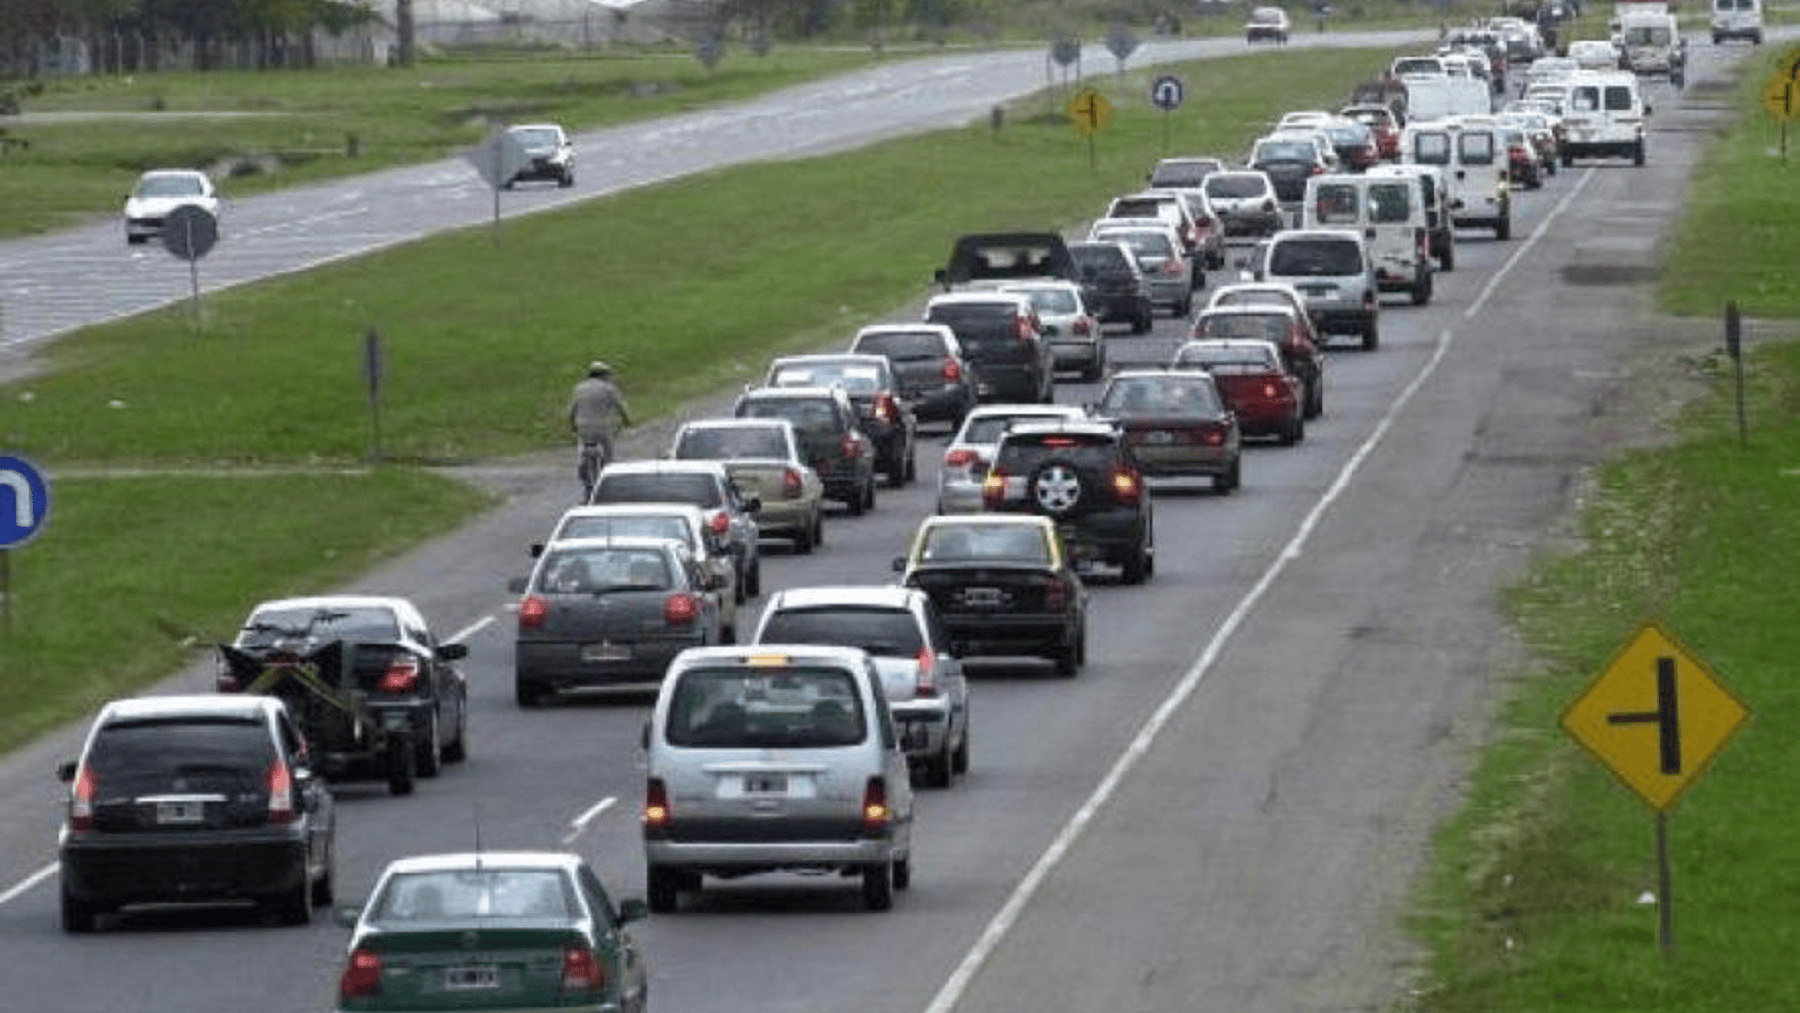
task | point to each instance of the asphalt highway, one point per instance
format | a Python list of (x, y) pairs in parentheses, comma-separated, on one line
[(1223, 812)]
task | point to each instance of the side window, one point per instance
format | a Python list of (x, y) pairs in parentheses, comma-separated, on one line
[(1618, 99), (595, 895), (1431, 149)]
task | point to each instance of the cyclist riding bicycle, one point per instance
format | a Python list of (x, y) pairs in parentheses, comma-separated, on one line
[(596, 414)]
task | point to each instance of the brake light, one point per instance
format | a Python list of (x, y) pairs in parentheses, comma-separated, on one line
[(876, 816), (849, 448), (1056, 596), (1126, 487), (680, 609), (1269, 390), (885, 409), (1318, 170), (362, 975), (1022, 328), (657, 814), (961, 458), (927, 681), (402, 675), (1214, 438), (1171, 266), (281, 793), (1083, 326), (720, 523), (791, 483), (81, 801), (224, 679), (581, 972), (952, 370), (993, 488), (532, 611), (1421, 242)]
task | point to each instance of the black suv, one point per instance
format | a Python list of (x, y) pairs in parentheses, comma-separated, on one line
[(1003, 340), (178, 799), (830, 434), (1085, 478), (1112, 284), (870, 382)]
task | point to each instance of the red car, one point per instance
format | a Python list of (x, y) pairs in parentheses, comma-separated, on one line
[(1382, 123), (1254, 382), (1268, 312)]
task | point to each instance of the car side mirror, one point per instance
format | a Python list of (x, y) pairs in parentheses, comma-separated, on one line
[(65, 771), (898, 566), (753, 504), (516, 585), (1646, 109), (537, 549), (347, 915), (633, 909), (941, 277), (452, 652)]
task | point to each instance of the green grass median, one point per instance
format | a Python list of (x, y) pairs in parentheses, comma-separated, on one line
[(1543, 894)]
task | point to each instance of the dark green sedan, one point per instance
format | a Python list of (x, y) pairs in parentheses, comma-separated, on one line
[(508, 930)]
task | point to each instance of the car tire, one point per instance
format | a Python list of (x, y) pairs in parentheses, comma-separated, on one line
[(1228, 482), (324, 889), (1421, 290), (566, 180), (1371, 338), (135, 240), (1637, 154), (429, 751), (1097, 368), (1568, 159), (912, 462), (295, 906), (1132, 569), (818, 528), (77, 915), (878, 885), (903, 873), (1503, 227), (1142, 323), (753, 581), (803, 539), (458, 750), (936, 770), (662, 889), (401, 760), (527, 694), (857, 501), (959, 757), (1448, 260)]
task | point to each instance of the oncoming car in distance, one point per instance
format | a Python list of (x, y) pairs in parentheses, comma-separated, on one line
[(158, 193)]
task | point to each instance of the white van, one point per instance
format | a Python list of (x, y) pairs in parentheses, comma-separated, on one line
[(770, 758), (1604, 117), (1390, 214), (1473, 161), (1436, 98), (1737, 19), (1654, 46), (1434, 197)]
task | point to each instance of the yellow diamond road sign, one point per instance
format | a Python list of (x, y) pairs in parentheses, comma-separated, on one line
[(1090, 111), (1655, 716)]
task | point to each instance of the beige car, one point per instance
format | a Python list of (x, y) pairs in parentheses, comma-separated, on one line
[(762, 456)]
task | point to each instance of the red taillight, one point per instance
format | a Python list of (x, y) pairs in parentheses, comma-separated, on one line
[(876, 816), (281, 793), (1022, 328), (402, 675), (1270, 390), (1083, 326), (927, 680), (1214, 438), (657, 814), (885, 408), (1318, 170), (1126, 487), (720, 523), (849, 448), (225, 680), (362, 975), (1171, 266), (581, 971), (533, 610), (680, 609), (1422, 242), (1056, 596), (81, 801), (791, 484), (961, 458), (993, 488), (952, 370)]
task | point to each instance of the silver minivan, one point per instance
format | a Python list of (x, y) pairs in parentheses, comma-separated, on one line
[(1333, 272), (774, 758), (1390, 214)]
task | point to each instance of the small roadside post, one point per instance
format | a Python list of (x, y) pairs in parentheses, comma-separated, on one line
[(497, 160), (374, 368), (1655, 717), (189, 233), (1734, 347)]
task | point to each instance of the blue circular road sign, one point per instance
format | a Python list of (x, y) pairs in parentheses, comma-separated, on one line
[(24, 501), (1166, 92)]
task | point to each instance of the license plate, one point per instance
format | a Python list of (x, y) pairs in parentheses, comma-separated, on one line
[(981, 597), (1159, 436), (463, 979), (176, 813), (1318, 290), (605, 652), (765, 784)]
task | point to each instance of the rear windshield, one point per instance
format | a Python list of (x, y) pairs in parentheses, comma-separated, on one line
[(170, 186), (1417, 65), (1180, 174), (951, 543), (356, 624), (204, 752), (1236, 186), (1250, 326), (1170, 395), (902, 345), (854, 377), (1316, 258), (463, 894), (1476, 148), (725, 444), (988, 428), (628, 526), (807, 414), (1291, 151), (978, 317), (1229, 359), (748, 707), (1058, 301), (1336, 204), (599, 570), (1136, 207), (1021, 452), (1100, 256), (700, 490), (890, 632), (1144, 243), (1618, 98)]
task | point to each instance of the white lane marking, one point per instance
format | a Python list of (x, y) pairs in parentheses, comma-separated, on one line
[(951, 992), (579, 823), (1525, 247), (470, 630), (28, 882)]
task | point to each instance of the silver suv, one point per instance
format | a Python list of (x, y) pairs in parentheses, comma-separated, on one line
[(1333, 272), (773, 758)]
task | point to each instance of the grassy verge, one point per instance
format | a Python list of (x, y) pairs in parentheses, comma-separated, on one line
[(1535, 899), (685, 287), (129, 568)]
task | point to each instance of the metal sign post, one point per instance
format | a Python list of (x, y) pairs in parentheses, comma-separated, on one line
[(373, 370), (1166, 93), (1734, 347), (190, 233)]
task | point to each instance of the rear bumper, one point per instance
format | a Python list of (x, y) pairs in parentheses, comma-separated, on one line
[(730, 858), (559, 664), (947, 403), (984, 633), (1004, 382), (783, 517), (111, 869)]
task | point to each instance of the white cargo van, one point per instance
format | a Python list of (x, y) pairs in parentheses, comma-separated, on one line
[(1434, 197), (1436, 98), (1653, 45), (1737, 19), (1604, 117), (1390, 214), (1473, 161)]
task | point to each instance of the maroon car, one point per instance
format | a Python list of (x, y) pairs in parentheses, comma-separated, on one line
[(1254, 382)]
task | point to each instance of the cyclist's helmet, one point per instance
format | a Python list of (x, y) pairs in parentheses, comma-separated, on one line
[(599, 369)]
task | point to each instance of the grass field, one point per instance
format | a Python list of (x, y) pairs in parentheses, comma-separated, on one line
[(686, 287), (1536, 898)]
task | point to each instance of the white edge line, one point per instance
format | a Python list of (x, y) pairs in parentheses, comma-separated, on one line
[(951, 992), (579, 823), (28, 882), (470, 630)]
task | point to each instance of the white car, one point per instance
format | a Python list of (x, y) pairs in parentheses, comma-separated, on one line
[(158, 193), (547, 154), (1267, 24)]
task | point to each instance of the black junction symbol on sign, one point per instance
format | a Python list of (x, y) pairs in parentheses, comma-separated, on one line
[(1666, 717)]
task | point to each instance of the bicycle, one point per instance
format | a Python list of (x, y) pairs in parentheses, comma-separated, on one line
[(590, 459)]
